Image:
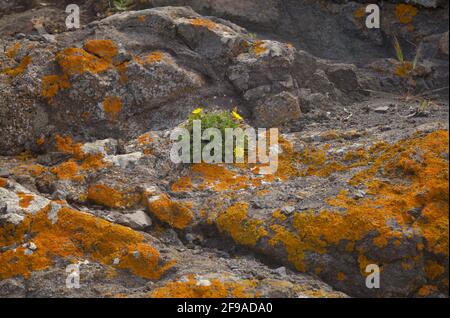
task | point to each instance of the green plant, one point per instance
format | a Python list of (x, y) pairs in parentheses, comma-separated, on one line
[(123, 5), (398, 50), (220, 120)]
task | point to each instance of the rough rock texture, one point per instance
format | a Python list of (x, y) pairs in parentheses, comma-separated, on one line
[(85, 170)]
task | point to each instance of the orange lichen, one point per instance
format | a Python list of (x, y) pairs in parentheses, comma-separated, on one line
[(217, 289), (3, 183), (405, 13), (236, 223), (219, 178), (184, 184), (427, 290), (19, 69), (112, 106), (65, 144), (40, 141), (403, 69), (204, 23), (29, 169), (176, 214), (105, 49), (113, 198), (341, 276), (145, 139), (12, 51), (154, 57), (259, 48), (141, 18), (77, 61), (25, 199), (67, 171), (76, 235), (122, 70), (434, 270), (359, 13), (52, 84)]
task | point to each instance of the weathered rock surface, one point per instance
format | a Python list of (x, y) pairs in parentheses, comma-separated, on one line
[(86, 177)]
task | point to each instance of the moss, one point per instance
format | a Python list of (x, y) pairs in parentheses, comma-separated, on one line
[(235, 222), (217, 289), (74, 236), (113, 198), (176, 214)]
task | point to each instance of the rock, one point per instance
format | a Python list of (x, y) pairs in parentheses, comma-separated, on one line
[(138, 220), (382, 109), (443, 43), (277, 110), (281, 271)]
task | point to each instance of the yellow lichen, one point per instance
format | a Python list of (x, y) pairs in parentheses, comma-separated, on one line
[(176, 214), (259, 48)]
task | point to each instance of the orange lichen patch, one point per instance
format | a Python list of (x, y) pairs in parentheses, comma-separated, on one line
[(341, 276), (93, 162), (112, 106), (52, 84), (105, 49), (74, 236), (204, 23), (259, 48), (29, 169), (427, 290), (145, 139), (77, 61), (359, 13), (12, 51), (242, 229), (19, 69), (184, 184), (217, 289), (219, 178), (122, 70), (25, 199), (65, 144), (141, 18), (279, 216), (67, 171), (154, 57), (403, 69), (405, 13), (176, 214), (40, 141), (434, 270), (3, 183), (113, 198)]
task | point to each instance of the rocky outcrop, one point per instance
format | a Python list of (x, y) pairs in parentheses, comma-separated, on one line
[(86, 179)]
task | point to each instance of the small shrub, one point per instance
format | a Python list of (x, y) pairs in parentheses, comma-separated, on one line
[(123, 5)]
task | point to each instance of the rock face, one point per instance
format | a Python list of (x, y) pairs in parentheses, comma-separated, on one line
[(87, 183)]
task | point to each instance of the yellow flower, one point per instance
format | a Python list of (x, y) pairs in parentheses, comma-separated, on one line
[(197, 111), (237, 116)]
